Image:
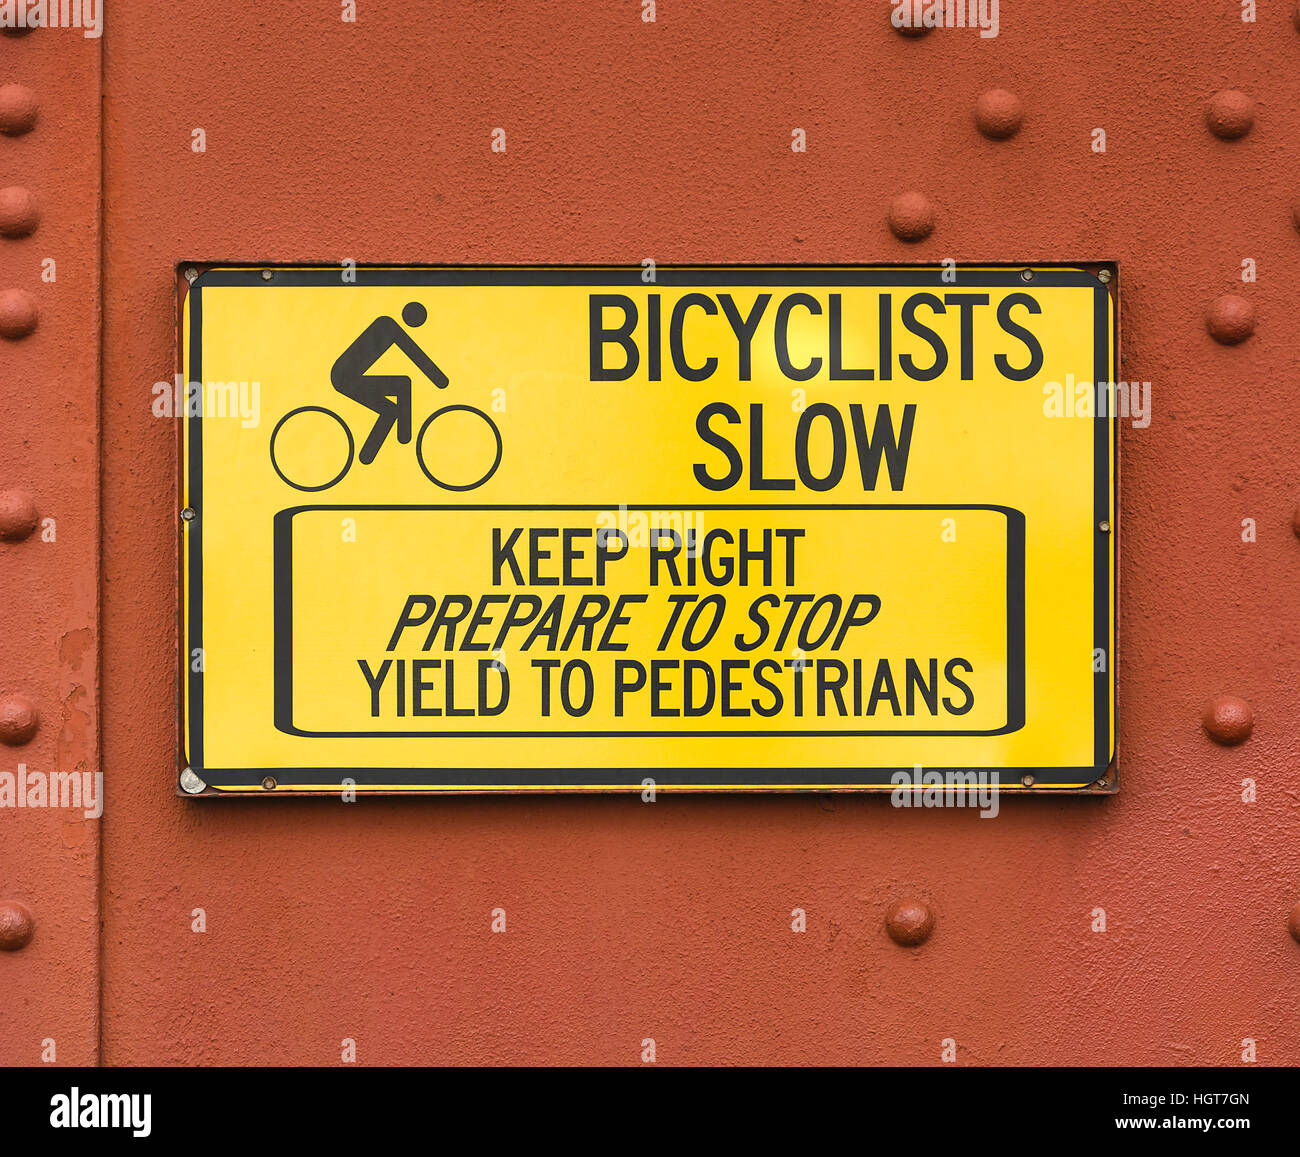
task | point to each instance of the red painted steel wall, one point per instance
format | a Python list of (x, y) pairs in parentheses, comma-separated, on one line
[(328, 140), (49, 544)]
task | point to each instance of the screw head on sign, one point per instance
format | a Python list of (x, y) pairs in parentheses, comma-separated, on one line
[(191, 784), (1230, 319), (17, 313), (17, 515), (1228, 719), (19, 214), (909, 922), (1104, 276), (1230, 114), (19, 719), (999, 114), (187, 515), (18, 109), (269, 783), (911, 216), (16, 926), (1028, 780)]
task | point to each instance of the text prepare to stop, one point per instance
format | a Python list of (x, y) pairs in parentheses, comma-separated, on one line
[(717, 558)]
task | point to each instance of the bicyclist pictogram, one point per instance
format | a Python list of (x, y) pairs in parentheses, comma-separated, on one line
[(389, 397)]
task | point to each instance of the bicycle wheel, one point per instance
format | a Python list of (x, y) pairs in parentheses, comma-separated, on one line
[(465, 439), (305, 448)]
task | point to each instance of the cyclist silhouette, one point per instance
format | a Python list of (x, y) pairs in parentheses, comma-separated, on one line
[(389, 395)]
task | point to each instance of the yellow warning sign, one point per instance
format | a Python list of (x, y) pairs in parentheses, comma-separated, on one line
[(687, 528)]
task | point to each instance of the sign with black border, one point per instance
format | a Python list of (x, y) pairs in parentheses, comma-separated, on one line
[(564, 528)]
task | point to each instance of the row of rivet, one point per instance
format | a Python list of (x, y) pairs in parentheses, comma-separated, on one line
[(1230, 320), (19, 217)]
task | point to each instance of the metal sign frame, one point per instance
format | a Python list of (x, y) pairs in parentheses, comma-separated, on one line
[(198, 779)]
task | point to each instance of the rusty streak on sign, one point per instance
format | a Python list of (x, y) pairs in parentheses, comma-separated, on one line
[(567, 529)]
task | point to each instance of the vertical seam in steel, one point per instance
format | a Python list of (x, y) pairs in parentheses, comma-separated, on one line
[(99, 560)]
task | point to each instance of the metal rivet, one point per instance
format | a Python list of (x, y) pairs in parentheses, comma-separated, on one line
[(19, 719), (191, 783), (1026, 275), (191, 274), (266, 275), (909, 922), (911, 216), (1228, 719), (17, 313), (19, 213), (1230, 319), (1027, 780), (17, 515), (187, 515), (1104, 276), (16, 926), (269, 783), (999, 114), (18, 109), (1230, 114), (1104, 527)]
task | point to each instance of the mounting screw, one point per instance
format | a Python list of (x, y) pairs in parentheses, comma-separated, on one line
[(191, 784), (269, 783), (266, 275), (1027, 780), (191, 274), (187, 515), (1026, 275), (1104, 527), (1104, 275)]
